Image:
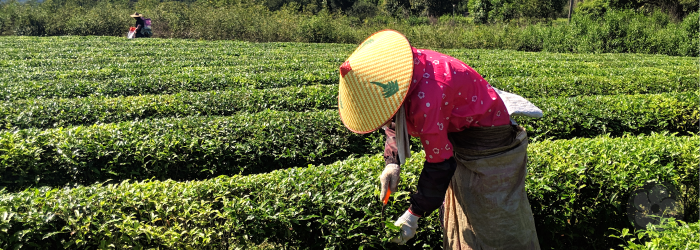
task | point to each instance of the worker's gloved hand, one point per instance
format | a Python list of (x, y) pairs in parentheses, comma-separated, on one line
[(408, 223), (390, 179)]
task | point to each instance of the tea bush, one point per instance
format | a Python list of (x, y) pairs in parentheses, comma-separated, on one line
[(203, 147), (582, 116), (577, 189), (160, 119), (51, 113), (602, 173), (669, 234), (65, 67), (588, 116), (177, 148)]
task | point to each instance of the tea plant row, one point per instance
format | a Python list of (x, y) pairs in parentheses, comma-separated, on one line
[(198, 147), (582, 116), (530, 87), (577, 188), (67, 67)]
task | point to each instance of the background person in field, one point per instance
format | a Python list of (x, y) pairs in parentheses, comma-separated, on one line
[(475, 163), (140, 24)]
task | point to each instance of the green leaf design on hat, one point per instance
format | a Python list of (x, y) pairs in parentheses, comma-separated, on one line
[(390, 88), (371, 40)]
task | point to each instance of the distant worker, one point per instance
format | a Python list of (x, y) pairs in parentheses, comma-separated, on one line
[(139, 24), (143, 26), (475, 154)]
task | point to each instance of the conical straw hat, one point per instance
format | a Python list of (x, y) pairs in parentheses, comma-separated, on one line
[(374, 81)]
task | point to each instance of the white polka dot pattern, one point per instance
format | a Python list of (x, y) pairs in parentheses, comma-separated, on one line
[(472, 104)]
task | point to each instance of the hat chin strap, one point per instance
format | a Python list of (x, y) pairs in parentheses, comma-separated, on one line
[(402, 139)]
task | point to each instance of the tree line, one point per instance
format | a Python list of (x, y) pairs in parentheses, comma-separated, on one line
[(482, 11)]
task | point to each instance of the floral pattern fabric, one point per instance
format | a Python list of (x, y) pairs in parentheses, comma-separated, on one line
[(446, 95)]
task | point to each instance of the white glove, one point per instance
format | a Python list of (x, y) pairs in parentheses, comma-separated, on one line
[(408, 223), (390, 179)]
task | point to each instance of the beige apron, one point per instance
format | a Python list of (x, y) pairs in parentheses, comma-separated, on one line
[(486, 206)]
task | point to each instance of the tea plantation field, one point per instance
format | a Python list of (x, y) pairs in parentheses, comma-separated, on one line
[(186, 144)]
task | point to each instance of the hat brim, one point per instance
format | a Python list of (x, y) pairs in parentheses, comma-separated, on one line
[(374, 89), (136, 15)]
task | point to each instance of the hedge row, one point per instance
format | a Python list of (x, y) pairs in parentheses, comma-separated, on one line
[(45, 55), (588, 116), (527, 86), (578, 190), (234, 68), (179, 148), (202, 147), (586, 85), (323, 65), (583, 116), (49, 113), (670, 234), (165, 84), (70, 67)]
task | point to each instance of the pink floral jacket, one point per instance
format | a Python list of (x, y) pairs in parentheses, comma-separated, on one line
[(446, 95)]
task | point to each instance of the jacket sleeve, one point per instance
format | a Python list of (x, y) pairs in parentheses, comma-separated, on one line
[(391, 151)]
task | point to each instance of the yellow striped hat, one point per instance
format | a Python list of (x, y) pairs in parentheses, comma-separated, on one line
[(374, 81)]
